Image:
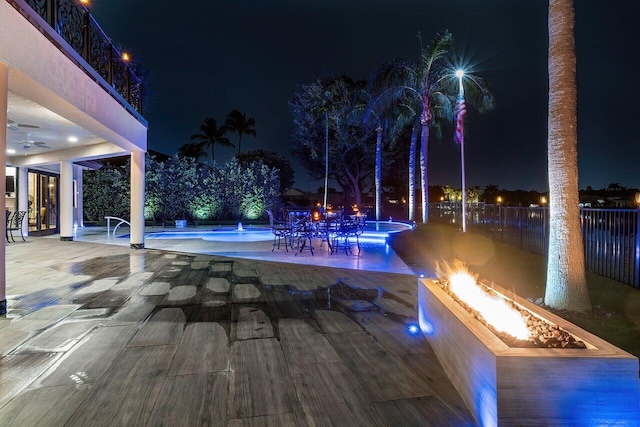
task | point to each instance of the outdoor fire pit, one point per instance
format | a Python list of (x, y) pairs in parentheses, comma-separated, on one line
[(507, 385)]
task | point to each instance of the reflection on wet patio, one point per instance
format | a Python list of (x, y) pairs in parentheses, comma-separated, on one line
[(124, 337)]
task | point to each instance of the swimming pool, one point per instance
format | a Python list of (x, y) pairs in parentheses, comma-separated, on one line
[(374, 231)]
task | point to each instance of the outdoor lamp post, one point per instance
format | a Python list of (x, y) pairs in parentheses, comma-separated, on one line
[(326, 159), (325, 99), (461, 111)]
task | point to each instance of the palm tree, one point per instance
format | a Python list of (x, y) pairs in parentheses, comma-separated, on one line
[(422, 84), (211, 135), (387, 112), (238, 122), (566, 286), (193, 150), (430, 72)]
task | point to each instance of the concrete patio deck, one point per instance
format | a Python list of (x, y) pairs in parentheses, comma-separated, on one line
[(177, 334)]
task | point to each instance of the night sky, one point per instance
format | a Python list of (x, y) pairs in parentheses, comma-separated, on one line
[(209, 57)]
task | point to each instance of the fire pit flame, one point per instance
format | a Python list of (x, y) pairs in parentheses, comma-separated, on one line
[(494, 309)]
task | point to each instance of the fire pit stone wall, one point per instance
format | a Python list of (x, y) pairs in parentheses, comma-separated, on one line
[(598, 385)]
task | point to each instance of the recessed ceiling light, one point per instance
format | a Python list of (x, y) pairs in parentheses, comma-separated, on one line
[(11, 151), (73, 139)]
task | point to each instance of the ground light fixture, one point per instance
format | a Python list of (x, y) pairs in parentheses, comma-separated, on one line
[(413, 329)]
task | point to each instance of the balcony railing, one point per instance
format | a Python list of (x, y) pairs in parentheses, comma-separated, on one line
[(74, 23)]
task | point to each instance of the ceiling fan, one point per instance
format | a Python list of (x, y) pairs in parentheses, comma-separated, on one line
[(13, 125), (28, 143)]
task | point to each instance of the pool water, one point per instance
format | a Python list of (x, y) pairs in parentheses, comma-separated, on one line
[(373, 231)]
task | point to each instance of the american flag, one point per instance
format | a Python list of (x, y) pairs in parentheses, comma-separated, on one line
[(461, 111)]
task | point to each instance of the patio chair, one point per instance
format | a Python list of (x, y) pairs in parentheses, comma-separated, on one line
[(302, 231), (15, 223), (280, 230), (348, 229)]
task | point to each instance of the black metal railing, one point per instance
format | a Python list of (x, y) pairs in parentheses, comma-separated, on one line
[(74, 23), (611, 237)]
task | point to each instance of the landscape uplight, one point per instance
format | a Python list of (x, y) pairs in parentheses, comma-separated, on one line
[(459, 73), (126, 57)]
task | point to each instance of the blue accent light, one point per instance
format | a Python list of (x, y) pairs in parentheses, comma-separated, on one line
[(413, 329)]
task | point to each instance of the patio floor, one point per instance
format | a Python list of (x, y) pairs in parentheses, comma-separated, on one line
[(98, 334)]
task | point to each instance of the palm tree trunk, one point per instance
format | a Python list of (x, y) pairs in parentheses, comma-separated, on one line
[(239, 142), (378, 172), (424, 144), (566, 280), (412, 173)]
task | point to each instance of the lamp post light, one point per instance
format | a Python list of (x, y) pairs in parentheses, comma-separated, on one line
[(461, 111), (325, 100), (326, 160)]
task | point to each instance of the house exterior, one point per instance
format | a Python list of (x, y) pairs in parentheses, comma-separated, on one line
[(67, 98)]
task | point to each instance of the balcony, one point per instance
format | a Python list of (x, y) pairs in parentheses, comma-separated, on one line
[(68, 23)]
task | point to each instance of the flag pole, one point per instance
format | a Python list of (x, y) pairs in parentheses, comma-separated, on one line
[(459, 136)]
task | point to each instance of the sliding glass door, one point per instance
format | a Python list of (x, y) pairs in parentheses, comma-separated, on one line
[(43, 209)]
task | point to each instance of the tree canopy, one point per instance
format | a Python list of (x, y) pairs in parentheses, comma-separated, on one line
[(339, 101), (210, 135), (239, 123)]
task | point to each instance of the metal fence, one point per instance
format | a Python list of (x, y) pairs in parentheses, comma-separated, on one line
[(611, 238)]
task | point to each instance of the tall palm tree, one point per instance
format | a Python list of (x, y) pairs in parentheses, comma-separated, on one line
[(211, 135), (423, 83), (238, 122), (566, 286), (430, 71), (431, 89), (387, 113)]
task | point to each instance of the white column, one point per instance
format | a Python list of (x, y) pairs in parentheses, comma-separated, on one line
[(4, 87), (137, 200), (66, 200), (79, 212), (23, 196)]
